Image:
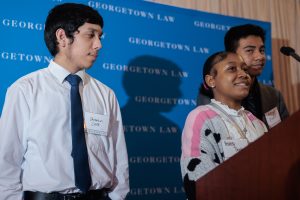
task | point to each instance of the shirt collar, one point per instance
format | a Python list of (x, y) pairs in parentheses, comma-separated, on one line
[(228, 110), (61, 73)]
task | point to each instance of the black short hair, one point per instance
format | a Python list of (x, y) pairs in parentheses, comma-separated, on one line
[(235, 33), (69, 17)]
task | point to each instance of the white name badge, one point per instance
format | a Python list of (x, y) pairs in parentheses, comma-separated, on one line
[(231, 147), (273, 117), (96, 124)]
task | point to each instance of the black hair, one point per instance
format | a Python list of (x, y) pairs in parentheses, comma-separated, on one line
[(208, 69), (235, 33), (69, 17)]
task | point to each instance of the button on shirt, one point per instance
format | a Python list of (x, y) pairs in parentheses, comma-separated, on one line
[(35, 136)]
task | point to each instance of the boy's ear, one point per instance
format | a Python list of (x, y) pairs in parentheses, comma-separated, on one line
[(61, 37)]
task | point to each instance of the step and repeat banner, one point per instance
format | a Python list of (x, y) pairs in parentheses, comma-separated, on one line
[(152, 58)]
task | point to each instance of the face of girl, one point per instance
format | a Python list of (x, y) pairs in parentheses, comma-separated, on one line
[(230, 81)]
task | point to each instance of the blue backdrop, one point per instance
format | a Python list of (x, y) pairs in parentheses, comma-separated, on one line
[(152, 58)]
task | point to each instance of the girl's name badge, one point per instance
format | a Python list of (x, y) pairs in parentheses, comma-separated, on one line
[(231, 147), (96, 124)]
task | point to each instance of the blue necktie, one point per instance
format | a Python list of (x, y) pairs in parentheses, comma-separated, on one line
[(79, 150)]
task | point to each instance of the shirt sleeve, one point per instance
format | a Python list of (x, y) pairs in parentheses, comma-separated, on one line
[(13, 121), (121, 179), (200, 151)]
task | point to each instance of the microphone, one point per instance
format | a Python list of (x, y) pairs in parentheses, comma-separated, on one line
[(289, 51)]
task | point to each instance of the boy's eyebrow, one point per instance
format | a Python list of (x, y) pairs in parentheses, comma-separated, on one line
[(94, 30), (249, 46), (253, 46)]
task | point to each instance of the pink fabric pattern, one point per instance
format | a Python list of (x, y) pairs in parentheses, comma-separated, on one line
[(191, 133)]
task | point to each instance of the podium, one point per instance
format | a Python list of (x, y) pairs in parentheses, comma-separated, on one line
[(268, 168)]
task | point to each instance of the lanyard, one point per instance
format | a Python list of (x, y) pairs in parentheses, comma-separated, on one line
[(231, 120)]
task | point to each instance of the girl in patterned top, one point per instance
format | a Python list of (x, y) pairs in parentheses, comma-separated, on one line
[(213, 133)]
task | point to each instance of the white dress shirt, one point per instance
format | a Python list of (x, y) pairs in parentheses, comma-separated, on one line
[(35, 136)]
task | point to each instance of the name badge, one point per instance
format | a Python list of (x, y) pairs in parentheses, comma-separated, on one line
[(231, 147), (96, 124), (273, 117)]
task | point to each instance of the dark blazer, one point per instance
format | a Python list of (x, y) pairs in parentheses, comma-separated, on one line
[(270, 98)]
